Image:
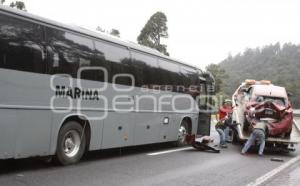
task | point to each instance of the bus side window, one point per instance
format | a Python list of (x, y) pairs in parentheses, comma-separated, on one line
[(170, 75), (21, 45), (118, 58), (189, 75), (100, 61), (67, 52), (146, 67)]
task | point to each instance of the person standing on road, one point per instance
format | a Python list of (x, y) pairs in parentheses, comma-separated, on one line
[(258, 133)]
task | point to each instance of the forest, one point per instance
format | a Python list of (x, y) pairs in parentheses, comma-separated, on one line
[(275, 62)]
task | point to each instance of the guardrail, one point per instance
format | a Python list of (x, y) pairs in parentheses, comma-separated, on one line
[(296, 113), (296, 118)]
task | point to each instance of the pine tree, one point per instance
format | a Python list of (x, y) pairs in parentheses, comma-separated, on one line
[(155, 29)]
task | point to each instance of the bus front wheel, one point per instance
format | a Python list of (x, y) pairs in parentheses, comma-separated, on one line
[(71, 143), (182, 132)]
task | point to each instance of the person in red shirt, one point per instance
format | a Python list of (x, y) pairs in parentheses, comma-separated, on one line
[(225, 109), (224, 121)]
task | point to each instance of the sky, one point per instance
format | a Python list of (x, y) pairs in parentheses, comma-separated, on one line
[(201, 32)]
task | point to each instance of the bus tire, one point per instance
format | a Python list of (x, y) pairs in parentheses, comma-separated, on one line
[(71, 143), (182, 132)]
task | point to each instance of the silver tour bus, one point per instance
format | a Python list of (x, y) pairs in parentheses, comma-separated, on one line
[(66, 90)]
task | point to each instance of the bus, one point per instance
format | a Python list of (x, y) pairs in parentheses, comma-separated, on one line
[(65, 90)]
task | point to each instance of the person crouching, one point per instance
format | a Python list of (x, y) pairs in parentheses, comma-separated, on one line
[(220, 128), (258, 133)]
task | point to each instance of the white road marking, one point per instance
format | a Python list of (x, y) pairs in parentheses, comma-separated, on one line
[(273, 172), (169, 151)]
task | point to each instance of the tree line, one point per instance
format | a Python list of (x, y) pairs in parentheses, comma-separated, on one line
[(277, 63)]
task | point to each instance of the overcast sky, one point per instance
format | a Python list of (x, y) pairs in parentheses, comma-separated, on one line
[(200, 32)]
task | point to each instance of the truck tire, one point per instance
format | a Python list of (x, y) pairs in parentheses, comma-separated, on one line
[(71, 143)]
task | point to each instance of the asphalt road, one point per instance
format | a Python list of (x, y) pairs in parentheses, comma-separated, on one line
[(144, 166), (289, 176)]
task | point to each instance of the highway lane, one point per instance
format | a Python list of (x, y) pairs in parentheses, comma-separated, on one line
[(289, 176), (147, 165)]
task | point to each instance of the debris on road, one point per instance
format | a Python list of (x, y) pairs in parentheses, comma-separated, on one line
[(205, 144), (277, 159), (205, 147)]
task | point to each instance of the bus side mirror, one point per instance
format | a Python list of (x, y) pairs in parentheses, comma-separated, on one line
[(290, 94)]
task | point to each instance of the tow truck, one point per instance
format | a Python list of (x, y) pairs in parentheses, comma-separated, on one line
[(264, 102)]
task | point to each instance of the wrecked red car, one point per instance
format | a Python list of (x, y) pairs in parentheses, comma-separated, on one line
[(256, 101)]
